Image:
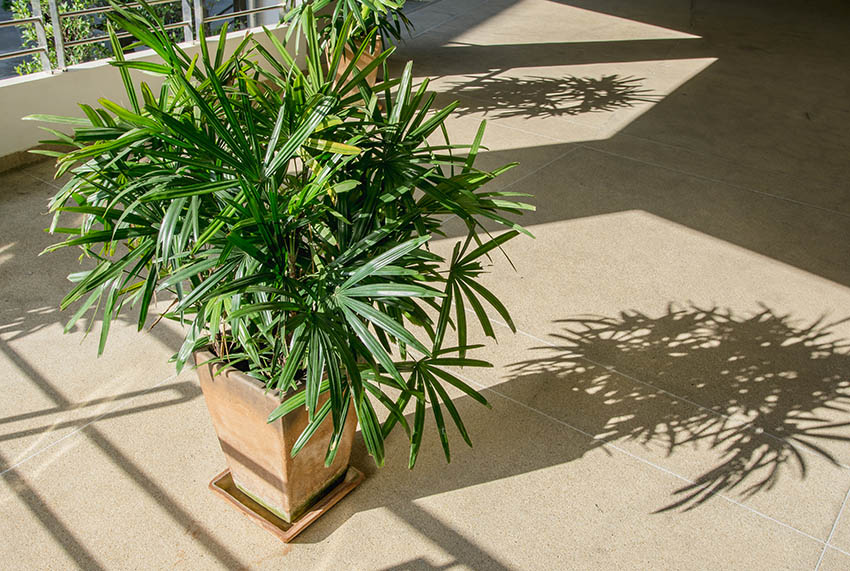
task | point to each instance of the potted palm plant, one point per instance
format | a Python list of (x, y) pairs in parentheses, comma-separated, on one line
[(375, 23), (385, 16), (288, 216)]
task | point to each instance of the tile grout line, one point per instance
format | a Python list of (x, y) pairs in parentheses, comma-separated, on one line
[(826, 544), (674, 146), (839, 550), (538, 169), (650, 463), (518, 130), (832, 531), (685, 149), (47, 182), (449, 18), (525, 176), (588, 146), (80, 428), (570, 122), (670, 394)]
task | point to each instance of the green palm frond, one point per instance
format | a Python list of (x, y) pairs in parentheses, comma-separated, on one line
[(289, 217)]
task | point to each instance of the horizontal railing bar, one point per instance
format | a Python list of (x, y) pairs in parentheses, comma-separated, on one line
[(5, 23), (100, 9), (20, 53), (242, 13), (105, 38), (39, 20)]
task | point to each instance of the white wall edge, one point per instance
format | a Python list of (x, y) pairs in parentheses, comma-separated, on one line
[(59, 93)]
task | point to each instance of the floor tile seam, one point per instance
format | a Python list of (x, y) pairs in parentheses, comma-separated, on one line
[(525, 176), (76, 431), (740, 423), (796, 447), (44, 181), (495, 123), (449, 17), (643, 460), (832, 531), (699, 153), (677, 147), (495, 120), (589, 146), (114, 347), (839, 550), (412, 8), (540, 168)]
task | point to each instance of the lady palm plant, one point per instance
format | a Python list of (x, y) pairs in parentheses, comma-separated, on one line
[(366, 15), (289, 216)]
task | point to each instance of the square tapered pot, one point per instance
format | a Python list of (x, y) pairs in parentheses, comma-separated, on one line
[(258, 453)]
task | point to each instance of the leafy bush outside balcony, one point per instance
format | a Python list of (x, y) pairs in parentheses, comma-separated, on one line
[(81, 27)]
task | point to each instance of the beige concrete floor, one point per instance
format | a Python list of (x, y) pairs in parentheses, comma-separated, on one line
[(677, 397)]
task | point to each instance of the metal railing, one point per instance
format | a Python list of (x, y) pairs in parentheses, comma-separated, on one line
[(38, 19), (193, 17)]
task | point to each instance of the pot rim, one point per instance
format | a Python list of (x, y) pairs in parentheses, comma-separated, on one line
[(203, 357)]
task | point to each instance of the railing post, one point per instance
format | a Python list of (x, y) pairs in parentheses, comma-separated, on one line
[(57, 34), (187, 17), (40, 35), (270, 18), (199, 18), (252, 18)]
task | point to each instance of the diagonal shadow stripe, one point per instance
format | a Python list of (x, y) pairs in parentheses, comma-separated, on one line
[(181, 388), (50, 521), (82, 422), (470, 59), (163, 499)]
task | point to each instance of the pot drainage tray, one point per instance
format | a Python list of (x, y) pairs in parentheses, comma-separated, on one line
[(223, 486)]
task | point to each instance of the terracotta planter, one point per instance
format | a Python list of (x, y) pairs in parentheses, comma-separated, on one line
[(258, 453), (368, 57)]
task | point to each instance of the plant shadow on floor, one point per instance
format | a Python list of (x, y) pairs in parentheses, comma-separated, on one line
[(507, 97), (750, 398), (759, 392)]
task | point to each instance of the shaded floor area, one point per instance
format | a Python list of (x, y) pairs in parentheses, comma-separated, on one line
[(678, 395)]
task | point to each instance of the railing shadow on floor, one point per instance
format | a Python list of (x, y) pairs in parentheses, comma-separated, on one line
[(433, 477), (120, 459), (36, 310)]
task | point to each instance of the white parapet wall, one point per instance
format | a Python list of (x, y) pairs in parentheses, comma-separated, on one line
[(61, 92)]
